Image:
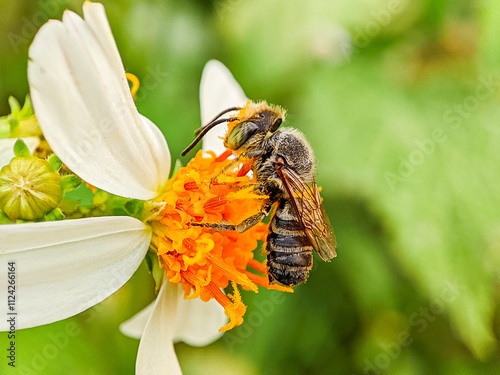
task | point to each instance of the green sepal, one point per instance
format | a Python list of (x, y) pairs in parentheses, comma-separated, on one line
[(70, 182), (55, 163), (155, 270), (14, 105), (20, 149), (27, 109), (178, 165), (54, 215), (4, 219)]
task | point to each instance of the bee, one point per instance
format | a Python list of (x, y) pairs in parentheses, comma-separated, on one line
[(283, 165)]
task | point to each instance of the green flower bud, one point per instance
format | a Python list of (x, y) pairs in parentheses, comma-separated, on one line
[(29, 188), (21, 122)]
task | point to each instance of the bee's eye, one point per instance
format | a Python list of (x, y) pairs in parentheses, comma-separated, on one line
[(261, 115), (240, 134)]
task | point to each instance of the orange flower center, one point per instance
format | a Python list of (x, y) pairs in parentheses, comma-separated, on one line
[(204, 260)]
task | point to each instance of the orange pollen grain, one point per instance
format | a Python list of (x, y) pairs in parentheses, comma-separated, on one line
[(205, 260)]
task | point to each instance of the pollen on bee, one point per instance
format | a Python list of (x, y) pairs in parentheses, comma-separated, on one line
[(252, 109)]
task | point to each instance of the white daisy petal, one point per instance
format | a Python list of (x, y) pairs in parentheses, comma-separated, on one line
[(218, 91), (197, 322), (65, 267), (134, 327), (95, 15), (83, 104), (7, 148), (156, 350)]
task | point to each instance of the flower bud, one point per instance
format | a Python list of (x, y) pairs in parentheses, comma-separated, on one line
[(29, 188)]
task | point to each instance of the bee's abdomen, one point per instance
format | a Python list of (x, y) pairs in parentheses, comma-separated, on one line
[(289, 251)]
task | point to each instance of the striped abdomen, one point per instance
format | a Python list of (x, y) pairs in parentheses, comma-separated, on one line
[(289, 251)]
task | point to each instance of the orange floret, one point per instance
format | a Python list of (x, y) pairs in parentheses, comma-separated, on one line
[(204, 260)]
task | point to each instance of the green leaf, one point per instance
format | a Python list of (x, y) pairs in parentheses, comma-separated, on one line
[(82, 194), (489, 43), (440, 204)]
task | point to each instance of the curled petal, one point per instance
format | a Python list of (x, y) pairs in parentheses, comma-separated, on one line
[(64, 267), (83, 104), (218, 91)]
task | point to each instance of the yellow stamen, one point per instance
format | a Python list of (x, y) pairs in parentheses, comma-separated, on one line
[(230, 273), (234, 308), (135, 83), (197, 282)]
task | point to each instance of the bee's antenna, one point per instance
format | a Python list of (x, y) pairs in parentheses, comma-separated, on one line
[(200, 133)]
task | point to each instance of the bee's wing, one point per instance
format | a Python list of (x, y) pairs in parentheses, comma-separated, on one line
[(307, 203)]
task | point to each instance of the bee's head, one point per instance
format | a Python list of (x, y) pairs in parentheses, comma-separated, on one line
[(248, 128), (253, 123)]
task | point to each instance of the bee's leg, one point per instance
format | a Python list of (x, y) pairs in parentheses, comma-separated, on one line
[(218, 226), (253, 154), (258, 188), (241, 227), (251, 221), (248, 161)]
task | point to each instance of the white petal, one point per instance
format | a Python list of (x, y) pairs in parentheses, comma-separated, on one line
[(65, 267), (7, 148), (83, 104), (218, 91), (134, 327), (156, 354), (95, 16), (197, 322)]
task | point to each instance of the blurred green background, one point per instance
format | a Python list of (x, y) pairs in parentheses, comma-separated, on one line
[(400, 101)]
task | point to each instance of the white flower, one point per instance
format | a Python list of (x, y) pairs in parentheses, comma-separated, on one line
[(83, 104)]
